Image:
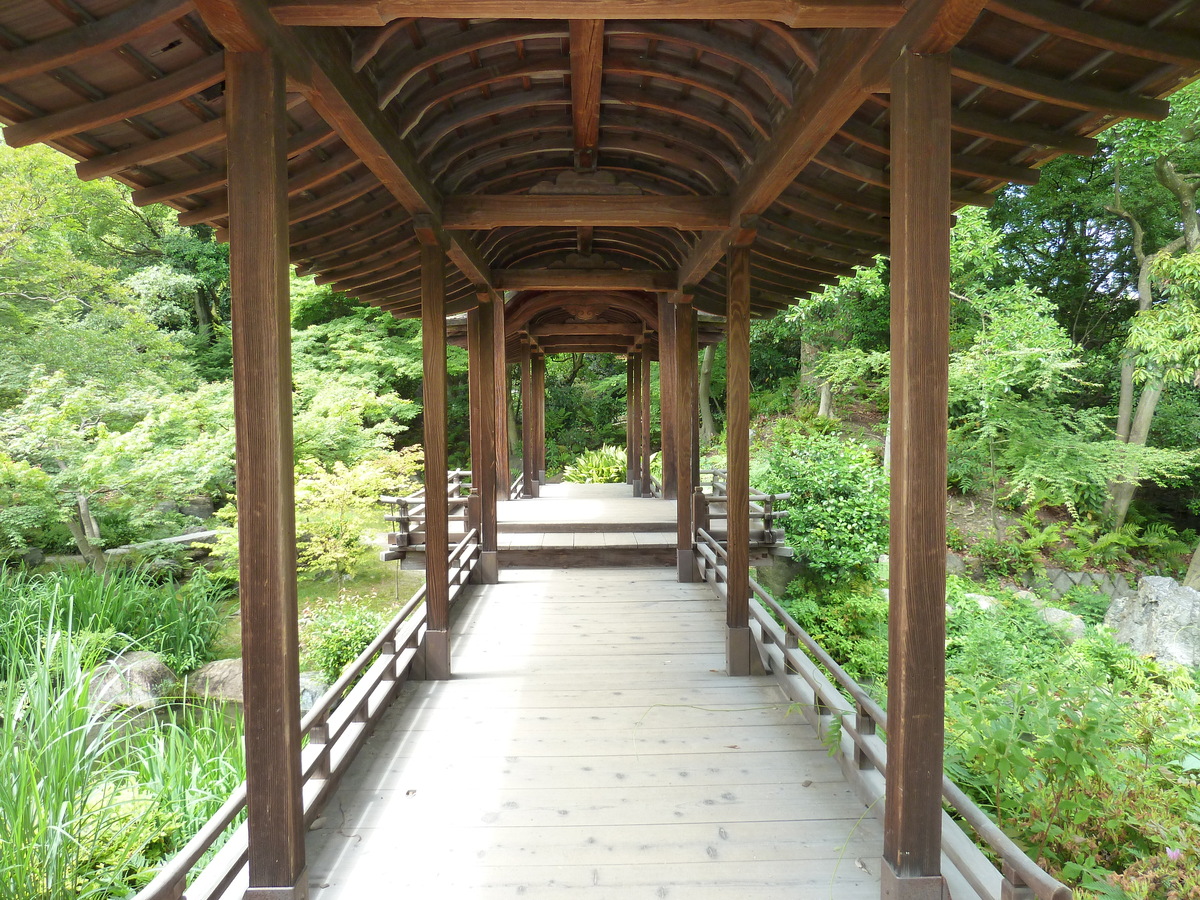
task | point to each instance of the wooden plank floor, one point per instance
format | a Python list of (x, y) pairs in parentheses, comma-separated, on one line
[(586, 507), (589, 741)]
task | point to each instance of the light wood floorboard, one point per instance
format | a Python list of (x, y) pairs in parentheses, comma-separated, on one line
[(590, 741)]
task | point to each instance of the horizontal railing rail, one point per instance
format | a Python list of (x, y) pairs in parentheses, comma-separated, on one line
[(517, 489), (336, 728), (407, 518), (800, 664)]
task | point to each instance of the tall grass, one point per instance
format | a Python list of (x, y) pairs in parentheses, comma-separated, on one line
[(124, 608)]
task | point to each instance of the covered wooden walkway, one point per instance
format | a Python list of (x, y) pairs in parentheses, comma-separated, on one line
[(590, 740)]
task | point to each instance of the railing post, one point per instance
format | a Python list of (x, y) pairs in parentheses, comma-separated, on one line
[(865, 726), (318, 736), (700, 514), (1012, 886)]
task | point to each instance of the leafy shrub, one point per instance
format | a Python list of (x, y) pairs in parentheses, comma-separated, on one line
[(603, 466), (838, 512), (336, 634), (849, 621)]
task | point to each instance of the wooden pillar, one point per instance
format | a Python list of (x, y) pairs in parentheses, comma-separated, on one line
[(630, 424), (484, 434), (437, 538), (500, 387), (538, 364), (644, 427), (262, 374), (920, 352), (737, 412), (527, 424), (686, 414), (667, 394), (635, 418)]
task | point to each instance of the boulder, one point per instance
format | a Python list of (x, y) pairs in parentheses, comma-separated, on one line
[(136, 680), (198, 507), (1162, 620), (955, 564), (983, 601), (1072, 626), (33, 557), (220, 680), (312, 687)]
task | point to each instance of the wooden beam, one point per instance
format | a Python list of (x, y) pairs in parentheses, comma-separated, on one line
[(582, 280), (667, 398), (1023, 134), (568, 329), (319, 62), (477, 211), (1035, 86), (71, 46), (1101, 31), (266, 509), (194, 138), (644, 448), (920, 353), (587, 72), (527, 422), (538, 373), (793, 13), (433, 402), (133, 102), (686, 415), (737, 412)]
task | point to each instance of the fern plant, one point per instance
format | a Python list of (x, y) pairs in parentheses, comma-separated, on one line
[(603, 466)]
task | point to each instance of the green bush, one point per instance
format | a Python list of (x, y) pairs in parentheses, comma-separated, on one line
[(849, 621), (838, 513), (603, 466), (337, 633)]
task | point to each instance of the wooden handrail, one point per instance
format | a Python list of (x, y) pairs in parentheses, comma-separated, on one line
[(341, 719)]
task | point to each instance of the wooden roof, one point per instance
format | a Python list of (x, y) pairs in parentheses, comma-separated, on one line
[(584, 160)]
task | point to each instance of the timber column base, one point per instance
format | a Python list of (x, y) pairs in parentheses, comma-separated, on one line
[(913, 887), (489, 567), (298, 891), (739, 651), (686, 566), (437, 655)]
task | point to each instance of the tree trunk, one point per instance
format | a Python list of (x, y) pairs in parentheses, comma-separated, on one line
[(1192, 578), (89, 551), (204, 315), (708, 428), (1123, 491), (825, 409)]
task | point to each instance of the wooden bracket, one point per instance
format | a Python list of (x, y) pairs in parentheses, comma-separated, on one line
[(745, 233), (429, 232)]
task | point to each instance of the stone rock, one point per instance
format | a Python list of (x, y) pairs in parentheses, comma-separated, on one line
[(1029, 597), (1060, 582), (1121, 587), (166, 506), (137, 680), (33, 557), (219, 680), (983, 601), (1073, 626), (1162, 620), (198, 507), (312, 687), (777, 576), (955, 565)]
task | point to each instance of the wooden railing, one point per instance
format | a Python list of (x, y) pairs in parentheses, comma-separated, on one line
[(407, 518), (516, 490), (710, 504), (336, 728), (796, 661)]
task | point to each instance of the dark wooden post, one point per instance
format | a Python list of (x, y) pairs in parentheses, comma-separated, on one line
[(635, 418), (527, 424), (667, 398), (687, 388), (737, 436), (630, 425), (262, 370), (500, 386), (920, 351), (437, 537), (644, 426), (538, 364), (484, 434)]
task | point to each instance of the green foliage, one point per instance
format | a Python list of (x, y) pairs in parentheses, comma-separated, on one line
[(849, 621), (327, 519), (838, 512), (123, 608), (603, 466), (28, 505), (336, 634)]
